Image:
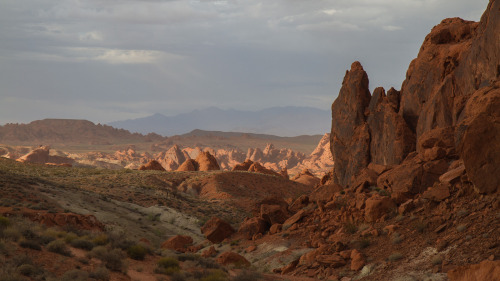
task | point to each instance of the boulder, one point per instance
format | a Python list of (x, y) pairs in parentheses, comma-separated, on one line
[(357, 260), (178, 243), (307, 178), (334, 260), (377, 207), (294, 219), (438, 192), (486, 270), (299, 203), (216, 230), (325, 193), (152, 165), (209, 253), (228, 258), (252, 226), (273, 213)]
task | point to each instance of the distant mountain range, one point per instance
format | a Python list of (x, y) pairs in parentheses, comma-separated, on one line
[(279, 121)]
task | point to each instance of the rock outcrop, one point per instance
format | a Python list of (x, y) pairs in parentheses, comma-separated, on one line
[(447, 108), (152, 165), (41, 155)]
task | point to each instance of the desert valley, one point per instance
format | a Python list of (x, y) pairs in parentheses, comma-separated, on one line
[(405, 186)]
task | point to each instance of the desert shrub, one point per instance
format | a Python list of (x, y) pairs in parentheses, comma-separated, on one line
[(215, 275), (396, 238), (4, 222), (420, 226), (113, 260), (461, 227), (361, 243), (59, 247), (28, 270), (168, 262), (11, 233), (168, 266), (69, 237), (208, 263), (21, 259), (101, 274), (120, 240), (395, 257), (246, 275), (350, 227), (82, 243), (437, 260), (178, 276), (101, 239), (46, 239), (188, 257), (30, 244), (137, 252), (75, 275)]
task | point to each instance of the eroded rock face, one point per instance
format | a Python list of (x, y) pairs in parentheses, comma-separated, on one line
[(478, 139), (390, 137), (350, 137), (366, 129)]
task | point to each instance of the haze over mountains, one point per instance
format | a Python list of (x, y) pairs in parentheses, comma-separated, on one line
[(281, 121)]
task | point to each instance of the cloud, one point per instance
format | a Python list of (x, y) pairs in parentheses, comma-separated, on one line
[(91, 36), (391, 28), (105, 55)]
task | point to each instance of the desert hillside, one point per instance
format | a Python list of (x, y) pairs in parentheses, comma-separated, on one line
[(414, 192)]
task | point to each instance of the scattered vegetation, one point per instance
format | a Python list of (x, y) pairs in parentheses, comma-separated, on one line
[(395, 257), (59, 247)]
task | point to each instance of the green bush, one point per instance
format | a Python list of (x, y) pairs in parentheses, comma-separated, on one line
[(137, 252), (82, 243), (59, 247)]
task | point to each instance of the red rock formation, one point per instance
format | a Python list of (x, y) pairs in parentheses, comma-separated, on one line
[(307, 178), (172, 158), (228, 258), (486, 270), (152, 165), (189, 165), (178, 243), (350, 136), (252, 226), (41, 155), (207, 162), (216, 230)]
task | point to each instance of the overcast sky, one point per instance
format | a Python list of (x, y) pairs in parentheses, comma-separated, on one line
[(107, 60)]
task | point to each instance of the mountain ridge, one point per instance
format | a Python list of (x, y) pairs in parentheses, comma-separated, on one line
[(280, 121)]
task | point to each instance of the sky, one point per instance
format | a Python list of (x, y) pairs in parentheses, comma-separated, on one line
[(109, 60)]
